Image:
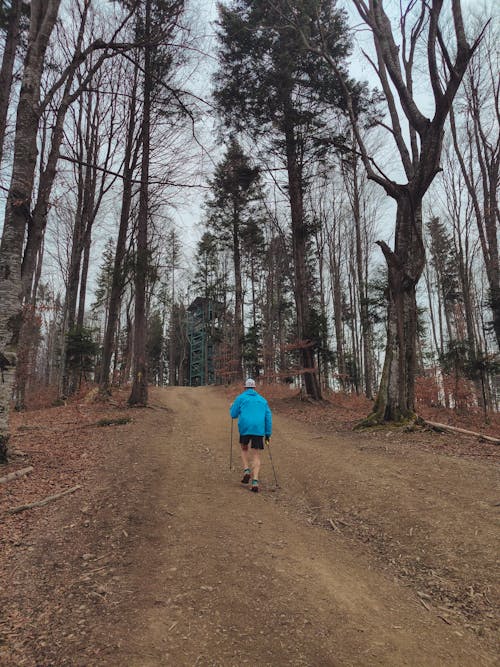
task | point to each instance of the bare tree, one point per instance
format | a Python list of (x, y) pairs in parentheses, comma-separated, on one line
[(139, 392), (419, 149), (17, 214), (12, 35), (129, 165), (477, 145)]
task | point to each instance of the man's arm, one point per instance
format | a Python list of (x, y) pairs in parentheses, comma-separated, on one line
[(268, 422), (234, 410)]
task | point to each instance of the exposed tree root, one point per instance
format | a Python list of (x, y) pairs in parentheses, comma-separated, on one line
[(410, 422)]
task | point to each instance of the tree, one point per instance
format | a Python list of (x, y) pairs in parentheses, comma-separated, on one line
[(118, 279), (419, 151), (139, 392), (155, 347), (210, 279), (445, 263), (10, 17), (235, 186), (17, 213), (270, 85), (173, 264), (81, 350), (165, 15), (477, 144), (353, 182), (22, 236)]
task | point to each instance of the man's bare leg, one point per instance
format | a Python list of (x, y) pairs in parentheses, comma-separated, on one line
[(245, 457), (256, 461)]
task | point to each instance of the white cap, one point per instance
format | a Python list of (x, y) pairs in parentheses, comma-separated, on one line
[(249, 383)]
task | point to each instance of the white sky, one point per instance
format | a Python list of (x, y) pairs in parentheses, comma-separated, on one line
[(188, 214)]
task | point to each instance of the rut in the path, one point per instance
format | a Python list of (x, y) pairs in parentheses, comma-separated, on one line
[(237, 578)]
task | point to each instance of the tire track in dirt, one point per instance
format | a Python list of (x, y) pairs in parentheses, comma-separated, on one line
[(225, 577)]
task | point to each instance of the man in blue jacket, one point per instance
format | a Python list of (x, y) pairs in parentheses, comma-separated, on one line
[(254, 424)]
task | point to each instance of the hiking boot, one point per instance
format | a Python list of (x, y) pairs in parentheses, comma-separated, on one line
[(246, 476), (255, 486)]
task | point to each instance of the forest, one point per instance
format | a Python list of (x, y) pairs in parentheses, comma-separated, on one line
[(295, 201), (301, 191)]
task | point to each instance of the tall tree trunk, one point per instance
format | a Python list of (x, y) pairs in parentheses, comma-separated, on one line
[(36, 229), (270, 316), (171, 345), (486, 213), (130, 160), (337, 311), (431, 310), (7, 69), (323, 370), (139, 393), (299, 245), (396, 396), (73, 274), (366, 328), (83, 283), (17, 212), (238, 301), (357, 361)]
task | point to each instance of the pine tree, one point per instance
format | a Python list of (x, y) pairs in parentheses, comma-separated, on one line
[(445, 263), (210, 279), (272, 87), (236, 189), (104, 280)]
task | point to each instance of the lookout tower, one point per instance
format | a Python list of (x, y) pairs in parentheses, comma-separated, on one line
[(202, 316)]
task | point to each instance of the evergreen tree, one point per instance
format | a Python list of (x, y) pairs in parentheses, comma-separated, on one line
[(210, 279), (232, 208), (271, 86), (444, 260), (81, 351), (155, 348), (104, 279)]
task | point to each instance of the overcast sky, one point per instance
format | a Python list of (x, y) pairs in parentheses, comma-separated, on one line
[(203, 12)]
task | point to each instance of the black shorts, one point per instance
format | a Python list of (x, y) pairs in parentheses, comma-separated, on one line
[(257, 441)]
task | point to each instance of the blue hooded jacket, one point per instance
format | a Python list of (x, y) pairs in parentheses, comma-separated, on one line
[(254, 415)]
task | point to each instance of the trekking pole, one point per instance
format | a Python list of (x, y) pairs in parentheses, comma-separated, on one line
[(231, 449), (272, 464)]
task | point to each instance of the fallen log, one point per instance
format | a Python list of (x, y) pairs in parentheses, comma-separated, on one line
[(455, 429), (15, 475), (44, 501)]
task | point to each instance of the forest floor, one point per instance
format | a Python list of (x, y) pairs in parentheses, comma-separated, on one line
[(378, 548)]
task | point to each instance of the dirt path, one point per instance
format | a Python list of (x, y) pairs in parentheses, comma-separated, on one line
[(372, 552), (243, 579)]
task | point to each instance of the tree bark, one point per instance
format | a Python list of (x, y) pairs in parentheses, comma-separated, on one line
[(7, 69), (299, 246), (238, 300), (337, 309), (366, 328), (485, 212), (17, 212), (396, 396), (139, 393), (130, 159)]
